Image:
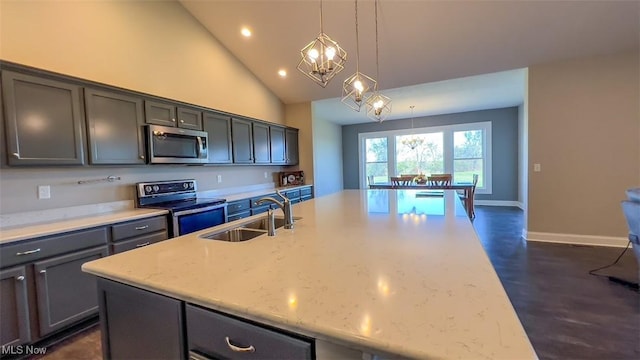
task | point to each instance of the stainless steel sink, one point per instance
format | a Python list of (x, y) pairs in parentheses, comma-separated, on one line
[(262, 223), (235, 235), (245, 231)]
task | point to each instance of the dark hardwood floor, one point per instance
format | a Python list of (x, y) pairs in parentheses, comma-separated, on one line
[(567, 313)]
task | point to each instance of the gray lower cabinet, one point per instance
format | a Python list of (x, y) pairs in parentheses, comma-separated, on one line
[(291, 145), (278, 153), (138, 324), (165, 114), (212, 335), (135, 234), (242, 137), (238, 209), (65, 294), (14, 307), (218, 126), (115, 128), (44, 123), (261, 144)]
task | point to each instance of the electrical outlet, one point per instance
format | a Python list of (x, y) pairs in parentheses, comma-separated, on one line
[(219, 179), (536, 167), (44, 192), (265, 174)]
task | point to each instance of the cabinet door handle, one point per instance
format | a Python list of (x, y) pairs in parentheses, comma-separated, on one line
[(181, 121), (142, 227), (43, 271), (28, 252), (173, 120), (143, 244), (250, 348), (142, 157), (20, 278), (16, 155)]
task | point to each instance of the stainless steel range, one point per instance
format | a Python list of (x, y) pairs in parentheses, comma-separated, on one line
[(188, 212)]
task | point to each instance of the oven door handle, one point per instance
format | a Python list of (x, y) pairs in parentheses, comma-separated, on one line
[(198, 210)]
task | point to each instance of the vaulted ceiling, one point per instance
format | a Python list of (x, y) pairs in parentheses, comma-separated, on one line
[(423, 45)]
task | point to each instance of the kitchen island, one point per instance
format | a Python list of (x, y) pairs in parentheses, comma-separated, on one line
[(364, 272)]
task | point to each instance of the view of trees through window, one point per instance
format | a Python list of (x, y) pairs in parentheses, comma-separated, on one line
[(461, 149), (419, 154), (467, 156)]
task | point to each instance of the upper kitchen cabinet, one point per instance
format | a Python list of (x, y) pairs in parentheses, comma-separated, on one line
[(166, 114), (218, 126), (278, 153), (261, 145), (44, 122), (115, 128), (291, 146), (242, 136)]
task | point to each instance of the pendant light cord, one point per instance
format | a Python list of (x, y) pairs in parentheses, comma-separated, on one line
[(321, 29), (377, 65), (357, 42)]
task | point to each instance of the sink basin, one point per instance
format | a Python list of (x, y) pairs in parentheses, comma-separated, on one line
[(262, 223), (235, 235), (246, 231)]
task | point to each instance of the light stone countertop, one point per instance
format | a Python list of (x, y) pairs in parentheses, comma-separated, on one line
[(380, 271), (24, 232)]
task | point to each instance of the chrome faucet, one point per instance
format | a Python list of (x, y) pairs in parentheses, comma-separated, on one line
[(285, 205)]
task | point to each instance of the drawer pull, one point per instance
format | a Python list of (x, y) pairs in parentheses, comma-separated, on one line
[(250, 348), (143, 244), (20, 278), (43, 271), (142, 227), (28, 252)]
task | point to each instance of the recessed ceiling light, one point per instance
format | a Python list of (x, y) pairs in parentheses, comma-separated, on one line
[(245, 32), (282, 73)]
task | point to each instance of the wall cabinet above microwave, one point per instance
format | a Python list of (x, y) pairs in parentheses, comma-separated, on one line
[(79, 122), (164, 114)]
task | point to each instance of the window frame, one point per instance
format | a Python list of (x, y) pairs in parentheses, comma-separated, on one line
[(448, 149)]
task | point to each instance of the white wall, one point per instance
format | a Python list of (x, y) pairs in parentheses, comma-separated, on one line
[(327, 156)]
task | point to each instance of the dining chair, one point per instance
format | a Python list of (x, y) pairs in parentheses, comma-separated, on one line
[(472, 195), (439, 180), (401, 180)]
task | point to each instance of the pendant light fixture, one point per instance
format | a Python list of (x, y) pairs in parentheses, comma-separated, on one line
[(322, 58), (378, 105), (357, 87)]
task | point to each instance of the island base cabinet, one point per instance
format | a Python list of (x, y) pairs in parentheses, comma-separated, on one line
[(14, 327), (138, 324), (65, 294), (216, 336)]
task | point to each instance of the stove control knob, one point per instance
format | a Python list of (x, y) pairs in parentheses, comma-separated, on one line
[(147, 189), (156, 188)]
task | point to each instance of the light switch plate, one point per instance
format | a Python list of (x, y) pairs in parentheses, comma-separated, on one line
[(44, 192), (536, 167), (219, 179), (265, 174)]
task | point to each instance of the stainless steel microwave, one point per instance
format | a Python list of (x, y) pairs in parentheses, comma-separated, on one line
[(169, 145)]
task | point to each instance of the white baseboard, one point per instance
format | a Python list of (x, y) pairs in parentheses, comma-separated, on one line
[(575, 239), (498, 203)]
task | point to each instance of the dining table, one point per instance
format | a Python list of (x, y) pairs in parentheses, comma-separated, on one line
[(466, 187)]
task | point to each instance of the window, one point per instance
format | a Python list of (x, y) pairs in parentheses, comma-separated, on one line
[(461, 149)]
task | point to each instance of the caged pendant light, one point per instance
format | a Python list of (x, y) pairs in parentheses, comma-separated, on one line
[(357, 87), (322, 58), (378, 105)]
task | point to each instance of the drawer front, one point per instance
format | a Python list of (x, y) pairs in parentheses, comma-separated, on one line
[(138, 227), (238, 206), (28, 251), (305, 198), (254, 200), (207, 333), (305, 191), (237, 216), (293, 194), (260, 210), (139, 242)]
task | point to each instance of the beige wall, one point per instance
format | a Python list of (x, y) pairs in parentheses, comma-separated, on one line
[(149, 46), (155, 47), (584, 130), (299, 116)]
